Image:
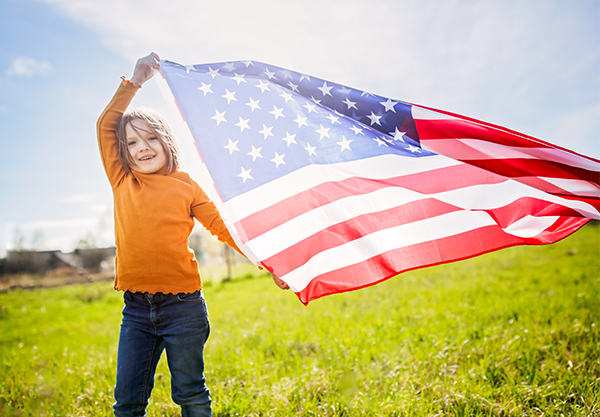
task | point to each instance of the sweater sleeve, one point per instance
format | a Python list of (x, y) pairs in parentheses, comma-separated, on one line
[(206, 212), (107, 134)]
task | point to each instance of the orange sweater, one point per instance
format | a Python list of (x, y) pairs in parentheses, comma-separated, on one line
[(154, 216)]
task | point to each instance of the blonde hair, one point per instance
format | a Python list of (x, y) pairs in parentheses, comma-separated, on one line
[(160, 128)]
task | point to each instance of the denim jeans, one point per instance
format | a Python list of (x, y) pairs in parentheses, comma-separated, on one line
[(153, 323)]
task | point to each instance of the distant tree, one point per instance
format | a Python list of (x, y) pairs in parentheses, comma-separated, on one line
[(18, 240), (87, 242)]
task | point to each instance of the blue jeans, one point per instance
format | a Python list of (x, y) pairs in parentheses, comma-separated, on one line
[(153, 323)]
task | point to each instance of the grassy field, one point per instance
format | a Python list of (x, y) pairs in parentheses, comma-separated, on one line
[(512, 333)]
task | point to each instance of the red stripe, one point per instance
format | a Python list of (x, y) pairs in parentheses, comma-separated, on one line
[(180, 113), (514, 168), (536, 142), (448, 129), (509, 214), (445, 179), (360, 226), (355, 228), (454, 248), (199, 153), (462, 129), (592, 201)]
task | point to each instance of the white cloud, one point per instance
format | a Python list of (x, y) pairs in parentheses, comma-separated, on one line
[(28, 67)]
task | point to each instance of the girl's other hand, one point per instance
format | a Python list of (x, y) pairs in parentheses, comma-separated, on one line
[(280, 283), (144, 69)]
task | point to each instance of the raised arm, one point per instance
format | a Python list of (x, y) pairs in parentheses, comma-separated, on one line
[(107, 135)]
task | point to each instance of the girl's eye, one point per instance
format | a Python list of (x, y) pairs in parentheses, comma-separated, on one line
[(130, 143), (152, 138)]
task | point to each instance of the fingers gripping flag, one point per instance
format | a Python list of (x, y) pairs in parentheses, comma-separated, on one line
[(334, 189)]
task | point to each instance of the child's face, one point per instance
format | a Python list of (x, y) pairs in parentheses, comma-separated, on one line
[(145, 148)]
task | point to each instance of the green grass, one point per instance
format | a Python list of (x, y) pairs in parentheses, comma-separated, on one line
[(511, 333)]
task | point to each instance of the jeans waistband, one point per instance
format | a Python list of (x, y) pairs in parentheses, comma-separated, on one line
[(158, 295)]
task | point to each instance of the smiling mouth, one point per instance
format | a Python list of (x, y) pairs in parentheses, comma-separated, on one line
[(147, 158)]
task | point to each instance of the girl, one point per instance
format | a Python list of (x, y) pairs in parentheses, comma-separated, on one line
[(155, 206)]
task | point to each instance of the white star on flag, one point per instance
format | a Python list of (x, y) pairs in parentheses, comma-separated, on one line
[(219, 117), (333, 119), (357, 130), (255, 153), (398, 135), (389, 105), (270, 74), (301, 121), (266, 131), (213, 73), (325, 89), (245, 174), (205, 88), (350, 104), (374, 119), (293, 86), (264, 86), (239, 78), (311, 149), (278, 160), (229, 95), (243, 124), (253, 104), (232, 146), (286, 96), (345, 144), (310, 107), (323, 132), (277, 112), (289, 139)]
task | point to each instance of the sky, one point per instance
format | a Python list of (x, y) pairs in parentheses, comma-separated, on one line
[(529, 65)]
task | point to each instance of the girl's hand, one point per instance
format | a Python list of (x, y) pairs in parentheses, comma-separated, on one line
[(280, 283), (144, 69)]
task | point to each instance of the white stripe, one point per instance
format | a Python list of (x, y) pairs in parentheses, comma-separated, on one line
[(578, 187), (425, 114), (481, 197), (381, 167), (497, 151), (385, 240), (530, 226), (478, 197)]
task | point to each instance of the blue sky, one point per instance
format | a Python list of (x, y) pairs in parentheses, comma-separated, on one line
[(529, 65)]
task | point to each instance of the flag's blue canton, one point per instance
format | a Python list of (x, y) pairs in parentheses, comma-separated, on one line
[(254, 122)]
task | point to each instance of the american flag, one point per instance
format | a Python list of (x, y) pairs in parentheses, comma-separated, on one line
[(334, 189)]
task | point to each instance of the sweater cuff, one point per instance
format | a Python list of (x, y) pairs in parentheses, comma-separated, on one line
[(125, 81)]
